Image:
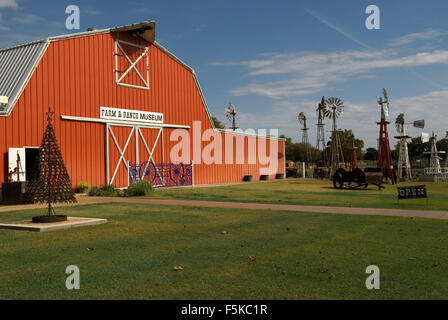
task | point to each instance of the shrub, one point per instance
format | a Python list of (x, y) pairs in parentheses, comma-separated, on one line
[(140, 188), (82, 187), (106, 190)]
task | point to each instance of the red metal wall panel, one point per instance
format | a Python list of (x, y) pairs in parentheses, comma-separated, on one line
[(75, 77)]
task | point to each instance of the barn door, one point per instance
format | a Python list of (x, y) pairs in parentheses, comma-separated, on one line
[(131, 146), (151, 146), (118, 153)]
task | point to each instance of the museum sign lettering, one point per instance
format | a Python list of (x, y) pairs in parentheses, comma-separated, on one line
[(412, 192), (130, 115)]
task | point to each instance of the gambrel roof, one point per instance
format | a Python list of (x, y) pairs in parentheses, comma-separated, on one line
[(17, 64)]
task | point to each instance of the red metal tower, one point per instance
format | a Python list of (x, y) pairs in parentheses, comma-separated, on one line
[(384, 154)]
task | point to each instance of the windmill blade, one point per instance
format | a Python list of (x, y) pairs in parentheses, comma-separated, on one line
[(384, 103), (419, 124), (425, 137), (230, 109), (400, 119), (333, 107), (302, 117), (318, 110), (386, 109), (399, 123)]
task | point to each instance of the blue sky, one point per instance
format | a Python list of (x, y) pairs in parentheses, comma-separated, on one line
[(274, 59)]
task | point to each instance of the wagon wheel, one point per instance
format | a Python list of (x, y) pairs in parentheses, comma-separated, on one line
[(177, 174), (151, 174), (338, 181)]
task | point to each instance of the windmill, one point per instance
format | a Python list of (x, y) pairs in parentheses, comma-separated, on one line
[(384, 154), (302, 121), (305, 140), (404, 166), (334, 108), (230, 113), (320, 111), (434, 163)]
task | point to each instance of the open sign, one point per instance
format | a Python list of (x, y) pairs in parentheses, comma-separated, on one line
[(412, 192)]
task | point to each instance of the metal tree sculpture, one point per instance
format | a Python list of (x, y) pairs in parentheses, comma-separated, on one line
[(51, 182)]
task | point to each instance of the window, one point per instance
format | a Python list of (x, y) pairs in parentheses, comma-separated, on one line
[(131, 65)]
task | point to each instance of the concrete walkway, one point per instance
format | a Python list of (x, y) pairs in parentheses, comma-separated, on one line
[(85, 200)]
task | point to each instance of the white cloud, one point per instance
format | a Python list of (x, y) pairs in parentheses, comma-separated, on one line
[(306, 73), (92, 12), (27, 18), (9, 4), (429, 34)]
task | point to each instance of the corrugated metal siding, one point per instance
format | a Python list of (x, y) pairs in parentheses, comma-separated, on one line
[(75, 77), (16, 65)]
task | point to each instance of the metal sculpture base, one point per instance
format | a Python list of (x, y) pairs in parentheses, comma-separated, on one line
[(49, 219)]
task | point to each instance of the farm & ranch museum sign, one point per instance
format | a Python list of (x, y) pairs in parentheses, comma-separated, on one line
[(130, 115)]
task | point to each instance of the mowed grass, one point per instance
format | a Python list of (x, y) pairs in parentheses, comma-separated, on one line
[(265, 255), (315, 193)]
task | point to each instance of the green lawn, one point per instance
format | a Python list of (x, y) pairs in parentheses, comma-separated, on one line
[(265, 255), (313, 192)]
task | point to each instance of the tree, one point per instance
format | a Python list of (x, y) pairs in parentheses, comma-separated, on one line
[(297, 151), (416, 148), (348, 140), (287, 140), (51, 183), (218, 124), (442, 145), (371, 154)]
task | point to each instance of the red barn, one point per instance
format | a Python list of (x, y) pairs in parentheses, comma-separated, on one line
[(121, 103)]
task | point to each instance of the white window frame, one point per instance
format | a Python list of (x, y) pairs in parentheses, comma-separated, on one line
[(132, 65)]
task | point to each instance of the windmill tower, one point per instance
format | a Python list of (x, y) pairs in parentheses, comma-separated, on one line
[(384, 154), (320, 111), (334, 108), (404, 166), (434, 163), (302, 121), (230, 113), (305, 140)]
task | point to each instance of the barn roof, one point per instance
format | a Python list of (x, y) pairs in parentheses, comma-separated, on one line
[(19, 62)]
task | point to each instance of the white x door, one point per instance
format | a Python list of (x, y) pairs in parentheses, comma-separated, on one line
[(127, 145)]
